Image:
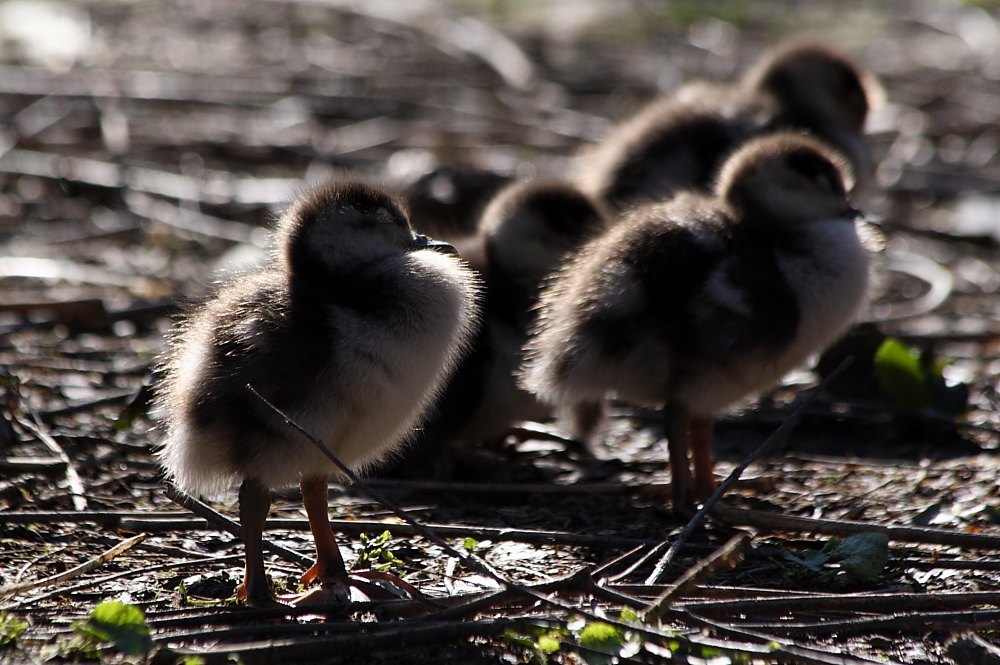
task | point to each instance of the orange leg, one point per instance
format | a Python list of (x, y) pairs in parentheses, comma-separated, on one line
[(329, 567), (701, 455), (329, 564), (255, 501), (676, 421)]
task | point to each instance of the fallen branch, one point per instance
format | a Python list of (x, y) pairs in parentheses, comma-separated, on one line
[(138, 521), (727, 556), (719, 592), (239, 614), (355, 527), (110, 518), (776, 646), (924, 622), (904, 534), (782, 646), (43, 466), (760, 484), (369, 638), (602, 569), (945, 564), (851, 602), (96, 562), (34, 600)]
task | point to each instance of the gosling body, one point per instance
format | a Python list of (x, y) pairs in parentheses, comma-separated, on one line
[(703, 301), (524, 235), (351, 330)]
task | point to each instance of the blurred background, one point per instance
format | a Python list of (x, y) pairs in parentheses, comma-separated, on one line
[(225, 108)]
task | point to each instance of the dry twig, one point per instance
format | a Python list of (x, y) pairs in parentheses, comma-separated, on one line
[(29, 602), (204, 510), (904, 534), (727, 556), (86, 567), (72, 477)]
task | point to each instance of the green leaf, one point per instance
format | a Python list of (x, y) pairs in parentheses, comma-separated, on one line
[(469, 544), (125, 625), (548, 644), (90, 632), (11, 627), (900, 374), (76, 648), (374, 550), (863, 556), (629, 616), (601, 636), (116, 614), (538, 654)]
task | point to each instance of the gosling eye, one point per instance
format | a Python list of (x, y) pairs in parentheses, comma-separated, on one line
[(825, 182)]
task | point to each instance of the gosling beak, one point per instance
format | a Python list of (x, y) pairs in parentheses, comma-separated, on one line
[(423, 242), (871, 229), (864, 217)]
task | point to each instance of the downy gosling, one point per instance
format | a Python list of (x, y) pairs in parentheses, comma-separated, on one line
[(679, 142), (524, 235), (703, 301), (351, 329)]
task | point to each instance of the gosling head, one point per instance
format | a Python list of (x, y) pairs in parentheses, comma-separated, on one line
[(345, 226), (820, 89), (814, 84), (529, 228), (785, 180)]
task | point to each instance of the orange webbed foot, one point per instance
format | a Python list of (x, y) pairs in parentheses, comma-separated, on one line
[(365, 585), (328, 593), (383, 586), (258, 601)]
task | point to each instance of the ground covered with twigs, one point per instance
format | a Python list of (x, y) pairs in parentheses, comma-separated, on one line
[(148, 145)]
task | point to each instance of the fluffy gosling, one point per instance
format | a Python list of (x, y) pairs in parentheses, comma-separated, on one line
[(351, 329), (524, 235), (698, 303), (679, 142)]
